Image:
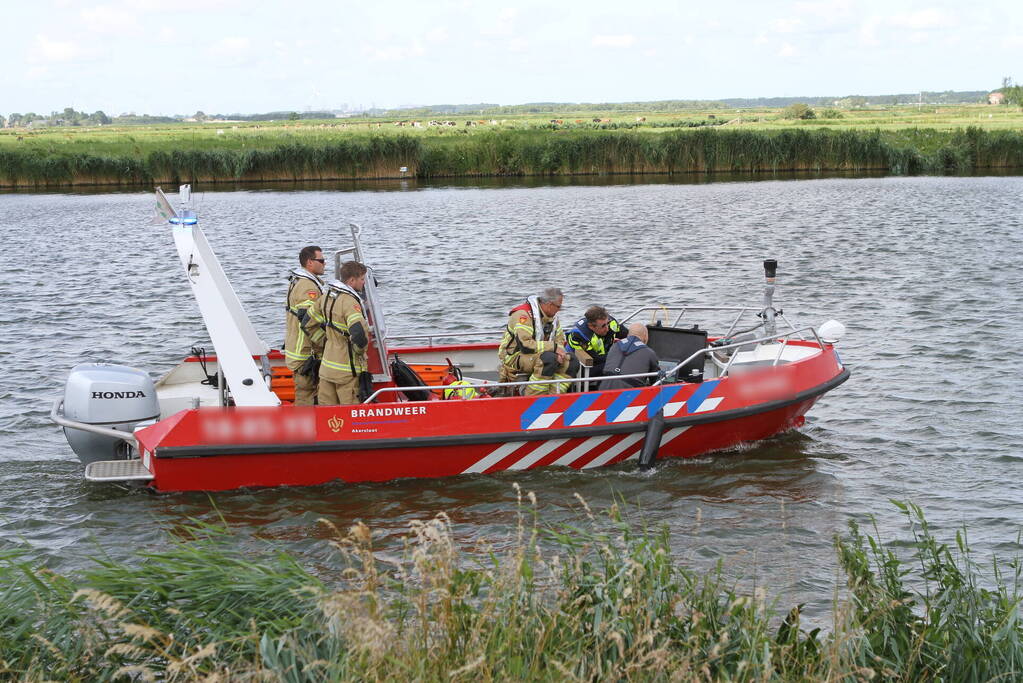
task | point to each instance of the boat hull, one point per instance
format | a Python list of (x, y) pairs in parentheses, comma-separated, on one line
[(219, 449)]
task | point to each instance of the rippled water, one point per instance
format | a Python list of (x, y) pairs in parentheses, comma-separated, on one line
[(924, 272)]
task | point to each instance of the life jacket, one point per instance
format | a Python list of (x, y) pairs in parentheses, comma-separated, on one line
[(631, 344), (583, 338), (510, 342), (335, 288), (293, 277), (296, 346)]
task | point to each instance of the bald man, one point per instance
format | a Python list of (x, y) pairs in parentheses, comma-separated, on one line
[(630, 356)]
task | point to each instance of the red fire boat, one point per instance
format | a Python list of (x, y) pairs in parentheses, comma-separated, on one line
[(224, 420)]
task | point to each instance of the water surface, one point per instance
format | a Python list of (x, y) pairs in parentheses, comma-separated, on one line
[(923, 271)]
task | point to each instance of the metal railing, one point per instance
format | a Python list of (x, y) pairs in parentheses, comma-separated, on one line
[(577, 380), (57, 415), (682, 309), (430, 336), (784, 337)]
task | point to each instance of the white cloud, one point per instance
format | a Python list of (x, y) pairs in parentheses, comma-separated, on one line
[(109, 19), (47, 51), (826, 9), (438, 35), (786, 25), (393, 53), (625, 40), (868, 32), (923, 20), (518, 45), (788, 50), (178, 6), (232, 50), (504, 22)]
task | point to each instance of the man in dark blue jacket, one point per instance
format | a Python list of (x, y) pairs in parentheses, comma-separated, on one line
[(630, 356), (592, 337)]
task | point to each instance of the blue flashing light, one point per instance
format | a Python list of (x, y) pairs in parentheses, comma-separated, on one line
[(187, 217)]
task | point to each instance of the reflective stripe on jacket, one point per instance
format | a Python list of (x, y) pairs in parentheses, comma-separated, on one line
[(340, 310), (582, 338), (300, 338)]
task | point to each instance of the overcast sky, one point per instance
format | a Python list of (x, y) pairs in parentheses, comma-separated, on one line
[(226, 56)]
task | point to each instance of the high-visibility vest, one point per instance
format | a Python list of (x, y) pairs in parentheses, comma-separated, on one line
[(469, 392)]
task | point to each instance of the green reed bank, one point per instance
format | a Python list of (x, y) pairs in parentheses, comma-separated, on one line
[(170, 159), (599, 600)]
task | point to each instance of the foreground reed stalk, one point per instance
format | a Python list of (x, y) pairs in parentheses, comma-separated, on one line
[(514, 153), (601, 600)]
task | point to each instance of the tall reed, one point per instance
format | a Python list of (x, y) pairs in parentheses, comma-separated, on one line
[(532, 152), (599, 600)]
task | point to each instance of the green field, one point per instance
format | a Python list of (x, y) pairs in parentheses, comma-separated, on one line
[(901, 139)]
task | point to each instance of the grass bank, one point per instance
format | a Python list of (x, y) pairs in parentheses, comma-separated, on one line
[(169, 157), (602, 600)]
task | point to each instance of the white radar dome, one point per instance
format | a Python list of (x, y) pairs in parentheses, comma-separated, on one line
[(831, 331)]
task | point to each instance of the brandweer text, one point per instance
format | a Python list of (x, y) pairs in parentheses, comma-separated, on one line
[(387, 412)]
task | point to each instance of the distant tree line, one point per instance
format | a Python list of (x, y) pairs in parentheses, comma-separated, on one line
[(68, 117), (845, 102), (435, 110), (269, 116)]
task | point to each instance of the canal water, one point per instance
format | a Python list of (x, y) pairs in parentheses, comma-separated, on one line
[(925, 273)]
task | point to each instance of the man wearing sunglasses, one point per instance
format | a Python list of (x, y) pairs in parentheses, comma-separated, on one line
[(304, 290), (592, 336)]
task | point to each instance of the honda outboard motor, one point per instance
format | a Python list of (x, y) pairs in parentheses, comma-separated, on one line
[(106, 395)]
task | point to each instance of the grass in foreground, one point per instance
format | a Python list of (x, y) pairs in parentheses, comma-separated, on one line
[(600, 601)]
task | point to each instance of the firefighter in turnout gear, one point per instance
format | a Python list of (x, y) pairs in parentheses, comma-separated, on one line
[(305, 289), (347, 336), (534, 344), (592, 337)]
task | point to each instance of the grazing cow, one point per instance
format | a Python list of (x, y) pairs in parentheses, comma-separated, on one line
[(640, 119), (605, 120), (470, 123), (578, 120), (596, 120)]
